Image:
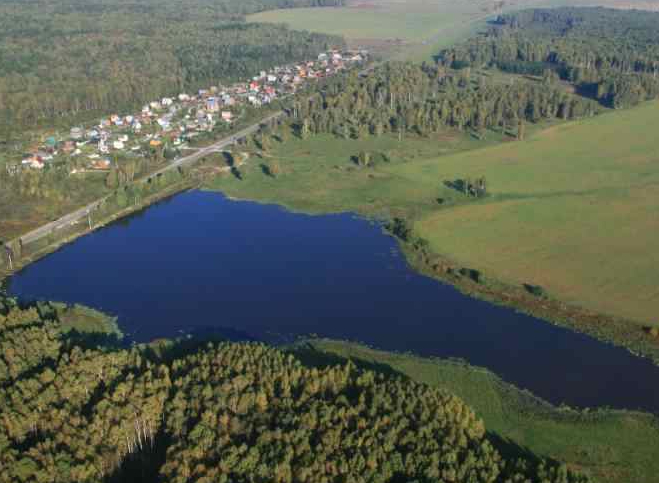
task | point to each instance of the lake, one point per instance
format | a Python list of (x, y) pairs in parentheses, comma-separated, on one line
[(200, 262)]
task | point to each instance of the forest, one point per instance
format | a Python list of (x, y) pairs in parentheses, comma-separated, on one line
[(65, 59), (610, 55), (404, 97), (80, 407)]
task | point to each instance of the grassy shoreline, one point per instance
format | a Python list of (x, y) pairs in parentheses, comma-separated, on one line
[(318, 176)]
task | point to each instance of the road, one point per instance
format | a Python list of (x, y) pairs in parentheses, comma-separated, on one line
[(83, 213)]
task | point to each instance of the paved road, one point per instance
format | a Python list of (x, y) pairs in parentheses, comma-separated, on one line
[(83, 212)]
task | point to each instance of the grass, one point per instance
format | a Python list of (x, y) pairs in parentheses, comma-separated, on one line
[(413, 28), (85, 320), (318, 175), (573, 209), (612, 446), (409, 29)]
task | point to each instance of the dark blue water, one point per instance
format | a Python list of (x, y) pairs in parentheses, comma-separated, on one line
[(200, 261)]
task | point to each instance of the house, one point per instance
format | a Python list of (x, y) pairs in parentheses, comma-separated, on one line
[(212, 104), (183, 97), (129, 120), (155, 105), (123, 138), (322, 57), (254, 86), (155, 143), (43, 156), (272, 78), (101, 164), (166, 101), (32, 161), (227, 116), (137, 126), (77, 133), (68, 146)]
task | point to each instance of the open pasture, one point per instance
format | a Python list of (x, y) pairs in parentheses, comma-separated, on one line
[(574, 208), (391, 27), (413, 29)]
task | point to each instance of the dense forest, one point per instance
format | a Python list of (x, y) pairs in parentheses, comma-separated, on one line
[(402, 97), (62, 58), (612, 55), (75, 409)]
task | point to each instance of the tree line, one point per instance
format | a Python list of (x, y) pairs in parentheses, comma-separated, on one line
[(612, 55), (226, 412), (404, 97)]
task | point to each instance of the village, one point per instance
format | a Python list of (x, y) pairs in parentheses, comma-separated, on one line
[(173, 121)]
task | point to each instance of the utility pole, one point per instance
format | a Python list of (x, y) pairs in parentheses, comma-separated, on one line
[(11, 263)]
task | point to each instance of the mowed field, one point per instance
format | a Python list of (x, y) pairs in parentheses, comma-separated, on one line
[(413, 29), (394, 27), (574, 208)]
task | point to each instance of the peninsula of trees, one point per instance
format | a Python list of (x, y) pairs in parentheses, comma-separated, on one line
[(227, 412)]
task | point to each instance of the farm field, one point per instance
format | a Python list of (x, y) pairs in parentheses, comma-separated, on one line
[(412, 29), (390, 27), (574, 209)]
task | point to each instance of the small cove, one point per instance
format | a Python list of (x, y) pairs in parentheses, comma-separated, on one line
[(199, 262)]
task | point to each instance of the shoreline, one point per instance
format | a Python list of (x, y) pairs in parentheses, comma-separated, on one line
[(167, 192), (623, 333)]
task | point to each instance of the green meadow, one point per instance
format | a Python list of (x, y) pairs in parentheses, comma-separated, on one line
[(410, 29), (612, 446), (575, 209)]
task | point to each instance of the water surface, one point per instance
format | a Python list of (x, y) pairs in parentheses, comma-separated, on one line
[(199, 261)]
